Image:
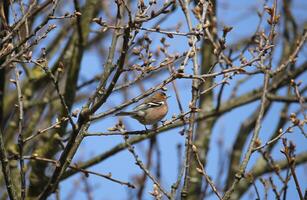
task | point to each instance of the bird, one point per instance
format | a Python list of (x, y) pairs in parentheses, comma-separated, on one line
[(151, 111)]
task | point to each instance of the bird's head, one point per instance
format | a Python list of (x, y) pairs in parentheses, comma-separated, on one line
[(160, 96)]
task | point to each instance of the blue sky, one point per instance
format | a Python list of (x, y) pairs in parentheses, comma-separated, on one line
[(242, 16)]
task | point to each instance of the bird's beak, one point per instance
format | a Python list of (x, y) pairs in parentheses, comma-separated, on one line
[(168, 97)]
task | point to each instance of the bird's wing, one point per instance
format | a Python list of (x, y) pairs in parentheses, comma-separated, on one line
[(145, 106)]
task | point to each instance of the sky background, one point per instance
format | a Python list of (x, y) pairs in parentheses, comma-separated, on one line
[(241, 15)]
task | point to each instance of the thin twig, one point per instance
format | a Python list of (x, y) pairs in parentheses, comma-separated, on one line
[(145, 170), (109, 176), (20, 136), (39, 132), (78, 169), (57, 87), (281, 133), (202, 171), (288, 151)]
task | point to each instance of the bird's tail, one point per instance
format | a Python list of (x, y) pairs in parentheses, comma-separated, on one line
[(124, 113)]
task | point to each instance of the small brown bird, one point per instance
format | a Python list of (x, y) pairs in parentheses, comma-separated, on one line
[(151, 111)]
